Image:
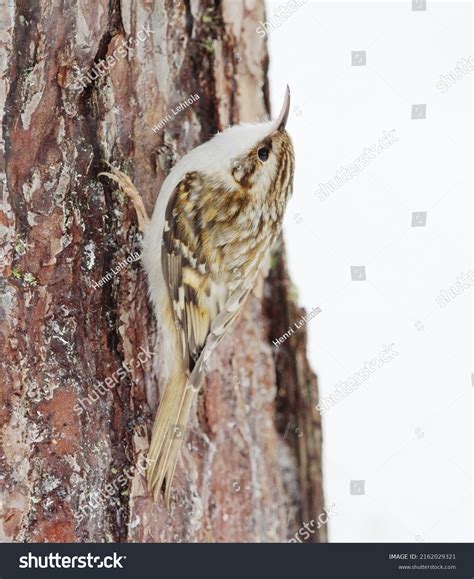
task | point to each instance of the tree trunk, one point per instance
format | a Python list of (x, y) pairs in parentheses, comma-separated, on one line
[(80, 357)]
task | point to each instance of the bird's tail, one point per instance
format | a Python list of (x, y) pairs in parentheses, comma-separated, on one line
[(168, 433)]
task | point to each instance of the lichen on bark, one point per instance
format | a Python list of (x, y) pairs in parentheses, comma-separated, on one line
[(72, 452)]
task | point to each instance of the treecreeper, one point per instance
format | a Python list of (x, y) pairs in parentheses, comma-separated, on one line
[(217, 216)]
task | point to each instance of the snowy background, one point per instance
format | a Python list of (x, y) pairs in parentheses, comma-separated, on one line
[(404, 436)]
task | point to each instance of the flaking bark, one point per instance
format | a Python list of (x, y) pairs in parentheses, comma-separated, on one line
[(72, 457)]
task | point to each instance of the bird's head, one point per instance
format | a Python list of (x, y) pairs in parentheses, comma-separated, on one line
[(255, 157), (268, 152)]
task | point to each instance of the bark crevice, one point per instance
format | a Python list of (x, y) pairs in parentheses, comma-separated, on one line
[(72, 452)]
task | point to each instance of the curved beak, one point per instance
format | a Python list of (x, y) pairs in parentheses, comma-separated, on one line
[(280, 123)]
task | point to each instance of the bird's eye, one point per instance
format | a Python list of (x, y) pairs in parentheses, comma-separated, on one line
[(263, 153)]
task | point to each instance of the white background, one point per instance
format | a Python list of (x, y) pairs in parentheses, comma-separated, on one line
[(406, 431)]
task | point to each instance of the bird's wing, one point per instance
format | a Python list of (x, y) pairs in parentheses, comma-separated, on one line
[(196, 297), (217, 330)]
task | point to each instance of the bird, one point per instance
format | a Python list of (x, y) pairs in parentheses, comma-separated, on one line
[(218, 214)]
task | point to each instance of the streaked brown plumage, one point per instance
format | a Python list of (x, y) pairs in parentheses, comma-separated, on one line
[(214, 224)]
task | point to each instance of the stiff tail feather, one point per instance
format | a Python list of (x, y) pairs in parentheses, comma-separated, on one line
[(168, 434)]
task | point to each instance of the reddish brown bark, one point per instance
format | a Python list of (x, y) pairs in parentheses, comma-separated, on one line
[(76, 475)]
